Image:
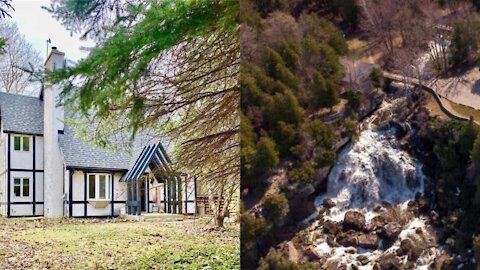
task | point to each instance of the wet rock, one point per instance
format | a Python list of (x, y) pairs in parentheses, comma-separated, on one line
[(422, 204), (378, 208), (293, 254), (328, 203), (409, 248), (363, 259), (388, 262), (434, 217), (354, 220), (331, 241), (311, 254), (418, 230), (354, 267), (411, 204), (391, 231), (347, 240), (444, 262), (369, 241), (332, 227)]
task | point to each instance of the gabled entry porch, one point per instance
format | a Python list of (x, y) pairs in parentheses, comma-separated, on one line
[(154, 187)]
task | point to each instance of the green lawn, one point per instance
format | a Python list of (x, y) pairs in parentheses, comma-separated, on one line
[(103, 244)]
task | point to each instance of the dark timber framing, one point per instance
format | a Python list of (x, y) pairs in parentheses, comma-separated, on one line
[(85, 193), (34, 174), (112, 202), (70, 190), (8, 175)]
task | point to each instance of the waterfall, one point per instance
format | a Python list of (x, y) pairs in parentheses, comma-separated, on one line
[(373, 171)]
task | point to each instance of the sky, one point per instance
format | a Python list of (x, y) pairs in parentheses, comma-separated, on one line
[(37, 25)]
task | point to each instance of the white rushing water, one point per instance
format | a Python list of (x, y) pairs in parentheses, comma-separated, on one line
[(371, 171)]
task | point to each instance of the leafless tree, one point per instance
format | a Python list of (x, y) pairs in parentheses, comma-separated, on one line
[(17, 53)]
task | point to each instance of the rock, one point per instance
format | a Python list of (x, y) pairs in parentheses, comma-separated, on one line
[(347, 240), (332, 227), (363, 259), (354, 220), (331, 241), (410, 204), (328, 203), (391, 231), (354, 267), (378, 208), (434, 217), (293, 254), (408, 247), (422, 204), (369, 241), (311, 254), (444, 262), (388, 262), (418, 230)]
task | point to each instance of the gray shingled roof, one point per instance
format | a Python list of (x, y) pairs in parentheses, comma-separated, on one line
[(79, 154), (21, 114)]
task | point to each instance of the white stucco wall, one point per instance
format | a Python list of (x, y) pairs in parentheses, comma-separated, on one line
[(21, 159), (78, 195)]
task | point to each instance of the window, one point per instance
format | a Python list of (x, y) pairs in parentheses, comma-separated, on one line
[(21, 143), (21, 187), (99, 186)]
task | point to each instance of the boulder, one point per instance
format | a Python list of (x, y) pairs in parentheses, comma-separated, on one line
[(391, 231), (293, 254), (369, 241), (444, 262), (347, 240), (332, 227), (363, 259), (388, 262), (422, 204), (328, 203), (409, 248), (434, 217), (354, 220), (311, 254)]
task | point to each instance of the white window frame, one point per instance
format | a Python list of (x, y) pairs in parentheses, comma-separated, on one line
[(22, 146), (22, 179), (108, 186)]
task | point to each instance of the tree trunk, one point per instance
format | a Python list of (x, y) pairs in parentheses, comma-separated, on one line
[(219, 221)]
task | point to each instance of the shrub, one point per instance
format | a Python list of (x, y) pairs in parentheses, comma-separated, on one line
[(376, 75), (267, 155), (276, 207), (355, 99), (302, 174), (321, 134), (325, 158), (277, 260)]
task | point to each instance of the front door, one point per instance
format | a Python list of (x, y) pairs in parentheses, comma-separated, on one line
[(143, 196)]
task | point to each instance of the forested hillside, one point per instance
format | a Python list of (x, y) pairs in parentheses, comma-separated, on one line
[(304, 95)]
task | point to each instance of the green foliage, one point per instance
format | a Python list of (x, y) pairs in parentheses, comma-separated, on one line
[(283, 107), (266, 7), (325, 92), (303, 174), (376, 75), (287, 135), (475, 154), (299, 150), (113, 69), (276, 260), (322, 58), (248, 151), (276, 207), (355, 99), (267, 155), (465, 40), (277, 69), (321, 30), (325, 158), (254, 232), (321, 134)]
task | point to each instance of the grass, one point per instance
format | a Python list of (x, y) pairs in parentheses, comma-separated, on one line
[(107, 244)]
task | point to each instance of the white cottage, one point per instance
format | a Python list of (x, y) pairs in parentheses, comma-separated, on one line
[(46, 171)]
